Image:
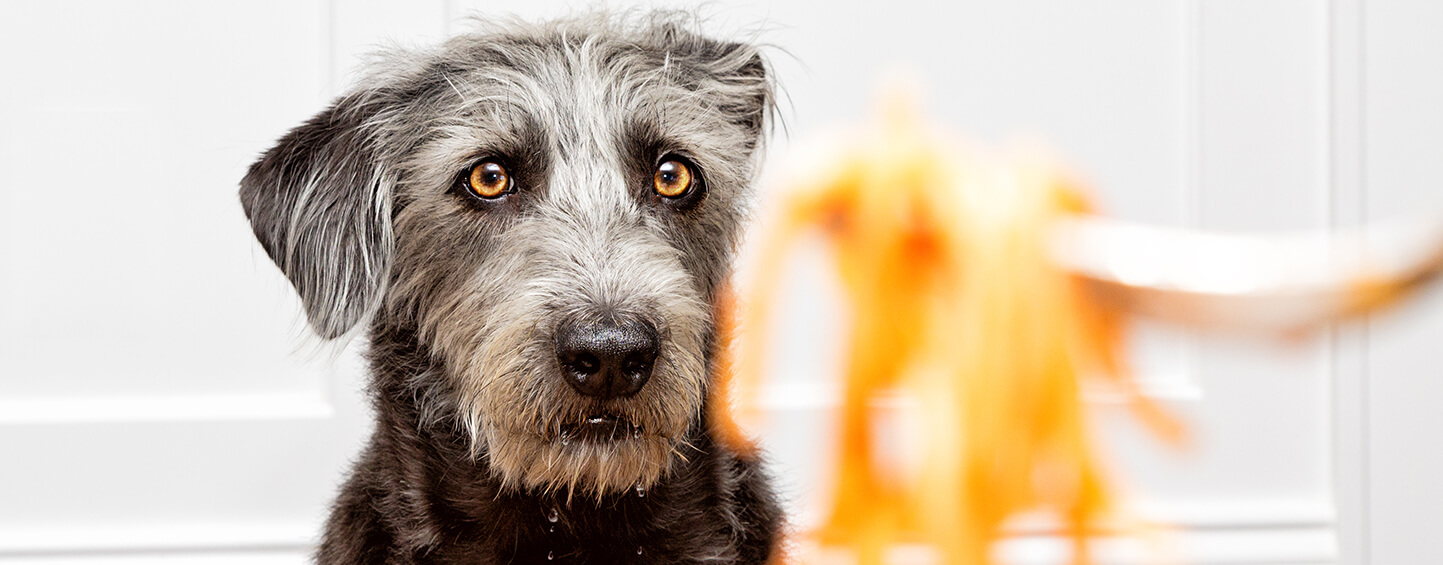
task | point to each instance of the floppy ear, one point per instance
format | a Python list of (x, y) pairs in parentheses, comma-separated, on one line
[(736, 72), (742, 77), (757, 106), (319, 202)]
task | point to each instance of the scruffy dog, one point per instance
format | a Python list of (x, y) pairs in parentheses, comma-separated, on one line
[(533, 221)]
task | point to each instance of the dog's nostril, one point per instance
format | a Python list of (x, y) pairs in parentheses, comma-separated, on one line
[(606, 359), (584, 363), (636, 364)]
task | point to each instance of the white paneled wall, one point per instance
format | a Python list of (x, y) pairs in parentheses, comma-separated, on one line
[(152, 393), (1402, 149), (158, 399)]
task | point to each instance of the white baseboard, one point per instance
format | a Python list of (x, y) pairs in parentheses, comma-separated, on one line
[(292, 545), (236, 557)]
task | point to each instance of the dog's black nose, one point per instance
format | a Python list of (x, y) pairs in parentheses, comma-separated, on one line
[(606, 359)]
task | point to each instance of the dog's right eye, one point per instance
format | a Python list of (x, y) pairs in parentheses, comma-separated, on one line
[(672, 179), (488, 179)]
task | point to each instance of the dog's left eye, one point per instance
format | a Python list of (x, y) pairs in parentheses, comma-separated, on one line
[(488, 179), (673, 179)]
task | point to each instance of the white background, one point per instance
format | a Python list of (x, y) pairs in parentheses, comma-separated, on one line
[(159, 399)]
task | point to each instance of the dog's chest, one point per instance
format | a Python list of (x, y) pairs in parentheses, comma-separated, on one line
[(640, 529)]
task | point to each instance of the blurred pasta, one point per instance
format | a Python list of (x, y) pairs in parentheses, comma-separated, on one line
[(941, 251)]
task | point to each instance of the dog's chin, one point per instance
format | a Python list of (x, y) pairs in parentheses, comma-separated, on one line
[(601, 429), (598, 456)]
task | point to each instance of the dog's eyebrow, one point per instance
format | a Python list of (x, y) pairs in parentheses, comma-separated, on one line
[(523, 143)]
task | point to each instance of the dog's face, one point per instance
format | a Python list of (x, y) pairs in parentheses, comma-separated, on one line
[(550, 210)]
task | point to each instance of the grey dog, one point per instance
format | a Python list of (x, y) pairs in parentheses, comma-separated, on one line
[(532, 223)]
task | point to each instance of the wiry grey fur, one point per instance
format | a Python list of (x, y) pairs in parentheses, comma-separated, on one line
[(360, 208)]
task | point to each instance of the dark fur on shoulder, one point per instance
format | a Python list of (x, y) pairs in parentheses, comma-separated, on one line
[(540, 353)]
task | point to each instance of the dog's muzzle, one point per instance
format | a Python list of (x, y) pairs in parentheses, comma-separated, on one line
[(606, 360)]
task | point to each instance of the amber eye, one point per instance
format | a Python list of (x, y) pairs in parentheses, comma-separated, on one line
[(672, 179), (489, 180)]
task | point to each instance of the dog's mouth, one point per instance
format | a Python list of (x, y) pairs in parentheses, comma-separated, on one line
[(600, 428)]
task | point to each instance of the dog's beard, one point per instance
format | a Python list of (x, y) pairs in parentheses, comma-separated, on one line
[(538, 434), (577, 465), (577, 446)]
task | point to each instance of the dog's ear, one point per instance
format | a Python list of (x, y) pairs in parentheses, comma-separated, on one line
[(741, 69), (757, 105), (319, 202), (738, 72)]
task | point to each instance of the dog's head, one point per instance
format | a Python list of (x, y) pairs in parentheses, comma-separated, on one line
[(550, 209)]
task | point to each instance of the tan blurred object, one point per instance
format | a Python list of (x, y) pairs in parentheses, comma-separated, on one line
[(1259, 284)]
